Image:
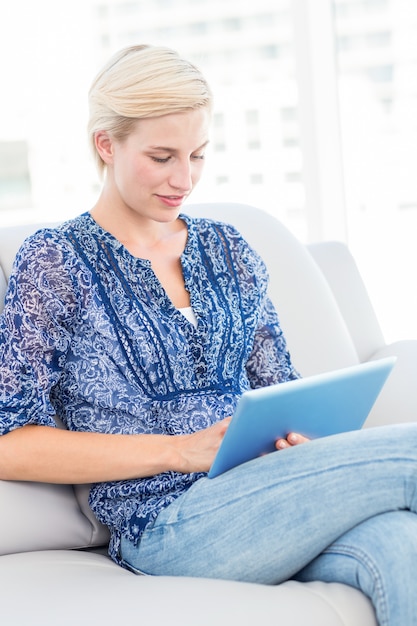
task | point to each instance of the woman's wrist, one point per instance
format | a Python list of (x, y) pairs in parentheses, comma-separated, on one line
[(160, 453)]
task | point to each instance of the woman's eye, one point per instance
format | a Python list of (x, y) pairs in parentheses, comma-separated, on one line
[(160, 159), (195, 157)]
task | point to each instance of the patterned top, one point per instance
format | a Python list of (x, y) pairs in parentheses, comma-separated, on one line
[(89, 334)]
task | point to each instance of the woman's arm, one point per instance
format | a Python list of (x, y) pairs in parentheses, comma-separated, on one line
[(46, 454)]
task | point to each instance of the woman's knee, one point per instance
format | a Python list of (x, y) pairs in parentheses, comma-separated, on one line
[(378, 557)]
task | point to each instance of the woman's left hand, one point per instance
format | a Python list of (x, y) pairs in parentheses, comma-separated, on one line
[(293, 439)]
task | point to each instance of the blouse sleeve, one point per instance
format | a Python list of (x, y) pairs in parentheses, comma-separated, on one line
[(35, 331), (270, 360)]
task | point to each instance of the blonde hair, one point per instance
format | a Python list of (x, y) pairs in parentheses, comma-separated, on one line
[(140, 82)]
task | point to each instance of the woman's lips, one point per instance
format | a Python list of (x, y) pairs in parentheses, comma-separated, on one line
[(171, 201)]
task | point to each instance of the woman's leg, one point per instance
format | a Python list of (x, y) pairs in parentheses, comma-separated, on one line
[(379, 557), (265, 520)]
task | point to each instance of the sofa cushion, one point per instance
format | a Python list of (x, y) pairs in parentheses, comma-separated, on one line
[(85, 589), (37, 516), (100, 534)]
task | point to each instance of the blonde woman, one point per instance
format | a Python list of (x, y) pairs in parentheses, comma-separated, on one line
[(140, 327)]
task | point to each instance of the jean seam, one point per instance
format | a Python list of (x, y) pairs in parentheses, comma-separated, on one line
[(175, 519), (255, 489), (368, 564), (131, 568)]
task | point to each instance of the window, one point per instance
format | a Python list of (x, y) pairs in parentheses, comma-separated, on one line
[(378, 39), (256, 179), (232, 23), (380, 74), (15, 187), (252, 117), (378, 103), (269, 52), (197, 28), (316, 105), (289, 114)]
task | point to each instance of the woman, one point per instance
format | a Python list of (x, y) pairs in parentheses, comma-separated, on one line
[(139, 328)]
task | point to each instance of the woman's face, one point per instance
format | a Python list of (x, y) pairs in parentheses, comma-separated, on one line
[(153, 170)]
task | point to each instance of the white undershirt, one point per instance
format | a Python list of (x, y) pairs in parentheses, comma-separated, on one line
[(189, 314)]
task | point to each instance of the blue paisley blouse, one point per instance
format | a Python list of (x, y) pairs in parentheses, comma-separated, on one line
[(89, 334)]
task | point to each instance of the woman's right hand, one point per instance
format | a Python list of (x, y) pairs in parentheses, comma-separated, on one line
[(197, 451)]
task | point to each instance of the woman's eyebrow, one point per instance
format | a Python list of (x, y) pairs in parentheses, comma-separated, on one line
[(168, 149)]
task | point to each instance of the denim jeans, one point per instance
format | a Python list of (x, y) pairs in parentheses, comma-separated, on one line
[(337, 509)]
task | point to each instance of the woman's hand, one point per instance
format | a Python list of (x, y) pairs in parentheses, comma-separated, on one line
[(46, 454), (293, 439), (197, 451)]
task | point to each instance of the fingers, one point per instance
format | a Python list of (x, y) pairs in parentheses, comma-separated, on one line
[(225, 424), (293, 439), (219, 427)]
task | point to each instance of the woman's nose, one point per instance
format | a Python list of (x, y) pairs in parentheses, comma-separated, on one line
[(181, 177)]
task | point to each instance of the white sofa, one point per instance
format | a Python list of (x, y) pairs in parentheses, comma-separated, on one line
[(54, 570)]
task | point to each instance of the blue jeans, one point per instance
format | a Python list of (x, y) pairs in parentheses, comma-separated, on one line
[(339, 509)]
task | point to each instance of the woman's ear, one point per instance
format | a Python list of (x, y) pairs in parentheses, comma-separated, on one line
[(104, 146)]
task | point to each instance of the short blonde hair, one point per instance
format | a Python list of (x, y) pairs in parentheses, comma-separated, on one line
[(139, 82)]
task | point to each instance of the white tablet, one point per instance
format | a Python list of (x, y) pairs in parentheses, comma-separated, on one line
[(316, 406)]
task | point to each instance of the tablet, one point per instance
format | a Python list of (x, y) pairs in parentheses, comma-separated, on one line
[(316, 406)]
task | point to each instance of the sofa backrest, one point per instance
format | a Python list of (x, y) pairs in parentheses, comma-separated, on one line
[(316, 332), (11, 238), (317, 336), (3, 287)]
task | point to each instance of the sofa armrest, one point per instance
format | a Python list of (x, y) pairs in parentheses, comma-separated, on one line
[(342, 274), (397, 402)]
